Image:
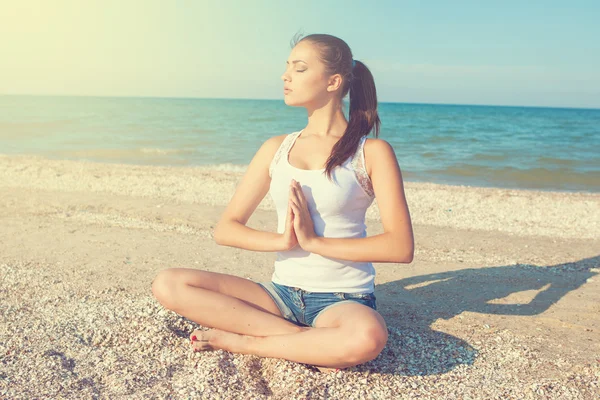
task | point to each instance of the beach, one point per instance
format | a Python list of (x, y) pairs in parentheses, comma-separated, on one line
[(502, 299)]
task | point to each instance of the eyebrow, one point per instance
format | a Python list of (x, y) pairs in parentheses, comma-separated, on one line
[(295, 61)]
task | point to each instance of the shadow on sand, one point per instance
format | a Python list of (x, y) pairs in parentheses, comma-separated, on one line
[(411, 305)]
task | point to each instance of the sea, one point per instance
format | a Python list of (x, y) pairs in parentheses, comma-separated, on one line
[(548, 149)]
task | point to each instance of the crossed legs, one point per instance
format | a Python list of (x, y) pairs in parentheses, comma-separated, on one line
[(246, 320)]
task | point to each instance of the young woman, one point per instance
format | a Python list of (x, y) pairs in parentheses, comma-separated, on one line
[(319, 307)]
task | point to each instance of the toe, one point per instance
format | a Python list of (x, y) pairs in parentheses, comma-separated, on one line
[(199, 341), (328, 370)]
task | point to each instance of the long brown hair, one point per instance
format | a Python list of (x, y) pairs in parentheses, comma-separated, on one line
[(359, 82)]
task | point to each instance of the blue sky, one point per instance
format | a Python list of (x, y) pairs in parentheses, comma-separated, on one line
[(539, 53)]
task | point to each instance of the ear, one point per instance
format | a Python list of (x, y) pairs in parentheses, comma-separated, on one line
[(335, 82)]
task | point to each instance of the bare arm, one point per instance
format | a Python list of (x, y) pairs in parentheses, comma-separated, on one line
[(239, 235), (231, 229), (396, 244), (379, 248)]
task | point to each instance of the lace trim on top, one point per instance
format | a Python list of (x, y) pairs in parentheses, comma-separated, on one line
[(284, 147), (359, 166), (358, 162)]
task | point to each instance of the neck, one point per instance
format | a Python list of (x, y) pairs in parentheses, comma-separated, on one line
[(326, 121)]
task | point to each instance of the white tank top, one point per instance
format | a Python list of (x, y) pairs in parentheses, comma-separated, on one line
[(338, 211)]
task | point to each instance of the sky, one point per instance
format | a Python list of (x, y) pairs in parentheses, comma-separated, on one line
[(529, 53)]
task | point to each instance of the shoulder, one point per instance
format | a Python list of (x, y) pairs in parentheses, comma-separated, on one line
[(268, 150), (378, 151), (270, 146), (376, 144), (277, 140)]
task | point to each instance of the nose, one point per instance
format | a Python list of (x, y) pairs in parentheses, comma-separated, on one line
[(285, 77)]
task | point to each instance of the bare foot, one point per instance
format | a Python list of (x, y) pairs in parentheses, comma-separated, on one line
[(214, 339), (328, 370), (200, 341), (323, 370)]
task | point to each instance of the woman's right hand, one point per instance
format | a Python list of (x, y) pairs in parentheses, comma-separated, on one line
[(289, 239)]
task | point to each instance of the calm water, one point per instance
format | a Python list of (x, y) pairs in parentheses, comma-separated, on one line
[(509, 147)]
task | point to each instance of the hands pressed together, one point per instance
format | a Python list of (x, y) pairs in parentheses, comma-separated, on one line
[(299, 228)]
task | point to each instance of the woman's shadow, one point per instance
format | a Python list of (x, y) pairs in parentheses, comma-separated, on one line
[(411, 305)]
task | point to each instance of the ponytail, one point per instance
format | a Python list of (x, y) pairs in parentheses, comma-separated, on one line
[(363, 116), (359, 82)]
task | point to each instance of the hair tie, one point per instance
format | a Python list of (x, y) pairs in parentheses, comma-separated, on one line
[(353, 63)]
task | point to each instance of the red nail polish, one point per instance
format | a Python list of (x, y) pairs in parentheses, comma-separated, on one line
[(194, 338)]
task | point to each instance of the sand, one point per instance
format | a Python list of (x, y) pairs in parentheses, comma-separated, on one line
[(502, 299)]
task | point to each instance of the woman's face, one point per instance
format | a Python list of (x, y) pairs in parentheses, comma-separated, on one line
[(305, 77)]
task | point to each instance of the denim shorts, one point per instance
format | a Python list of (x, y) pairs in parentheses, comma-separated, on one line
[(303, 307)]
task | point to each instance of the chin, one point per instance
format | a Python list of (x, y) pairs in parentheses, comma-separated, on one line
[(291, 102)]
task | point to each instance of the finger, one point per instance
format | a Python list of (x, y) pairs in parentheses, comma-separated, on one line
[(300, 195), (295, 208), (297, 197), (294, 201)]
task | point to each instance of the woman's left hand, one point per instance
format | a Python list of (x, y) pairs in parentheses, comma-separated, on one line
[(303, 224)]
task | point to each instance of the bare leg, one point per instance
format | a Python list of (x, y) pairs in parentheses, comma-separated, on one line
[(217, 310), (356, 334), (345, 335), (321, 346), (221, 301)]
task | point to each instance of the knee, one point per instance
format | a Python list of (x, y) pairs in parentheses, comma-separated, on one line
[(366, 344), (164, 287)]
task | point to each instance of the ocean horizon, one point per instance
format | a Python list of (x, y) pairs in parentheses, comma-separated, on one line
[(278, 99), (504, 146)]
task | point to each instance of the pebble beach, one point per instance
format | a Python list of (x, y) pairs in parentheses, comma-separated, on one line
[(502, 300)]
